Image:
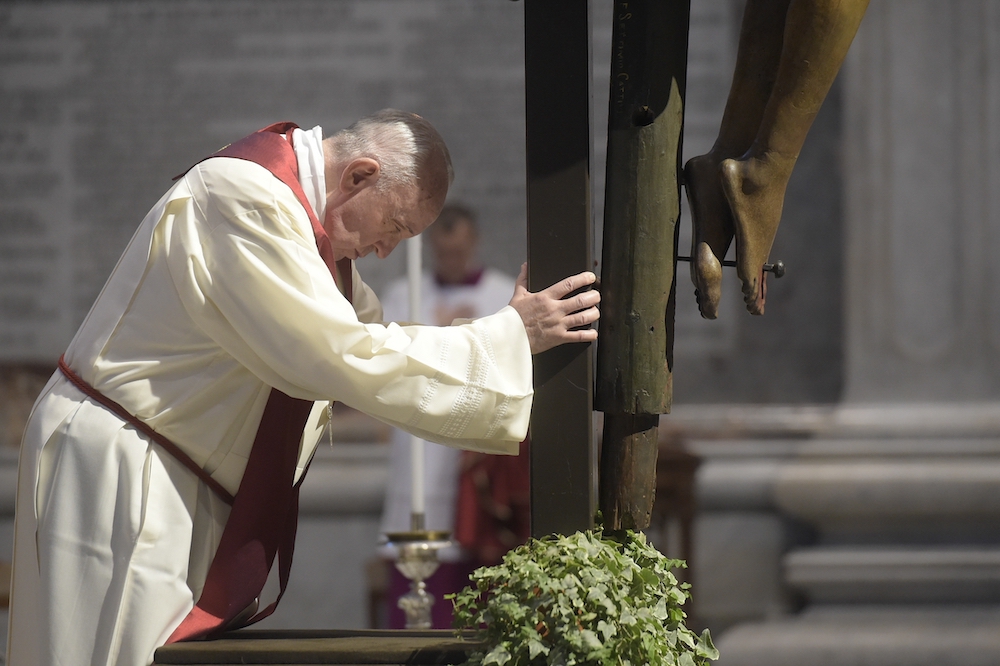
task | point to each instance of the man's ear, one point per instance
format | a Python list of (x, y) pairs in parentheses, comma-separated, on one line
[(360, 173)]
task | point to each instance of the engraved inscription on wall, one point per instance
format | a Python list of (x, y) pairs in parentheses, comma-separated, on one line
[(40, 61)]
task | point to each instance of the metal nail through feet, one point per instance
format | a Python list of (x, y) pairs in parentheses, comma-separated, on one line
[(778, 267)]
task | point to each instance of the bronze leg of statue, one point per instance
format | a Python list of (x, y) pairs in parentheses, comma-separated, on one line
[(817, 35), (758, 55)]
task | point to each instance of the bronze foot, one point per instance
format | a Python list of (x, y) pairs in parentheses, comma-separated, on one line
[(755, 190), (712, 230)]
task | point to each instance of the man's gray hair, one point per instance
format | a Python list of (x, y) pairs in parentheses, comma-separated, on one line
[(407, 148)]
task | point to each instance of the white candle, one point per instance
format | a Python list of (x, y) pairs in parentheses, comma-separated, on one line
[(417, 482), (413, 271)]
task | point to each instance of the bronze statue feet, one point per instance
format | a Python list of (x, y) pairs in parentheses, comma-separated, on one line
[(755, 190), (713, 230)]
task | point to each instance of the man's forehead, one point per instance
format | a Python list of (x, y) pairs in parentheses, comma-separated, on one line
[(413, 197), (415, 213)]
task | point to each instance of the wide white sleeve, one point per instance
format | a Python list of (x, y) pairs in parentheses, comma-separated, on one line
[(258, 287)]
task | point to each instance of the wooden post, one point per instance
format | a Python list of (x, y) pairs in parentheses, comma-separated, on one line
[(642, 208), (559, 146)]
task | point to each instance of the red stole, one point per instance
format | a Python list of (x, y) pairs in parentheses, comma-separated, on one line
[(263, 520)]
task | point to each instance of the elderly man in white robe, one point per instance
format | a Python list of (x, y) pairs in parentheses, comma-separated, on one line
[(225, 301)]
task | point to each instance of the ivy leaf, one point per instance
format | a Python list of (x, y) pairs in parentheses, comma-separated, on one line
[(591, 640), (536, 648), (705, 647), (498, 655), (607, 630), (660, 609), (649, 577)]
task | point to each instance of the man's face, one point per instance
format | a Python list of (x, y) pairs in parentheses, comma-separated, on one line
[(454, 250), (376, 221)]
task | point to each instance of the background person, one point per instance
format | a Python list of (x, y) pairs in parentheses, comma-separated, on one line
[(493, 505)]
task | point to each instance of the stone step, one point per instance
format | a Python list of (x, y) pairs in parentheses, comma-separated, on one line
[(879, 491), (909, 500), (821, 491), (868, 636), (869, 419), (852, 574)]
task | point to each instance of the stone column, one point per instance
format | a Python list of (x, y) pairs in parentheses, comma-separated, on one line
[(921, 174)]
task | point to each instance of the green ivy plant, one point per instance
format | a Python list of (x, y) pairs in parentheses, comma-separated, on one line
[(587, 598)]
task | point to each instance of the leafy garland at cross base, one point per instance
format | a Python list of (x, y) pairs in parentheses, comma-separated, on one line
[(587, 598)]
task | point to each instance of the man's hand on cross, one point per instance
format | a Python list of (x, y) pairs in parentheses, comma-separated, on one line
[(550, 318)]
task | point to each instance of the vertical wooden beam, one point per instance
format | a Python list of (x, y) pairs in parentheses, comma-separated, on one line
[(642, 208), (557, 65)]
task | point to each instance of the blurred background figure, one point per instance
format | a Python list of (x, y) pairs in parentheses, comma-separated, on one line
[(481, 499)]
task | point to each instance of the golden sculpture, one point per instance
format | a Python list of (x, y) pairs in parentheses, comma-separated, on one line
[(788, 56)]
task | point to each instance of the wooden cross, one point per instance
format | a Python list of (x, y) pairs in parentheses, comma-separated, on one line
[(648, 76)]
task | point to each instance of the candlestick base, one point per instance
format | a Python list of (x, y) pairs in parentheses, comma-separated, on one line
[(418, 560)]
